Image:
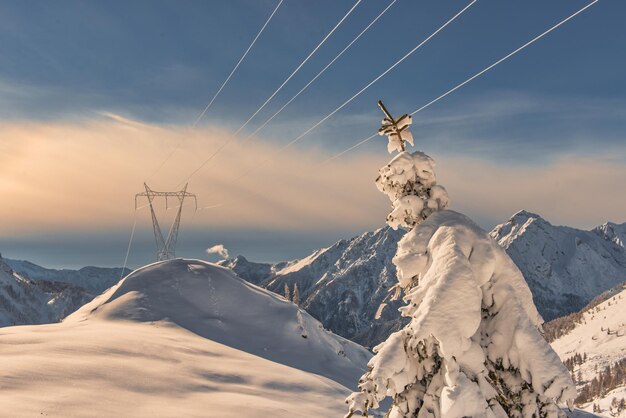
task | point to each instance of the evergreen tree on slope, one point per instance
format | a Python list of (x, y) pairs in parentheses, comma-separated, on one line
[(473, 346), (296, 294)]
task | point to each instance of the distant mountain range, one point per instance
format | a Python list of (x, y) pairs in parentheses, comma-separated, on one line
[(31, 294), (94, 279), (564, 267), (25, 301), (344, 285)]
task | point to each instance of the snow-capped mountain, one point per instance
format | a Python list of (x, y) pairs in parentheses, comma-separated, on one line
[(564, 267), (344, 285), (613, 232), (190, 339), (94, 279), (26, 301), (592, 343)]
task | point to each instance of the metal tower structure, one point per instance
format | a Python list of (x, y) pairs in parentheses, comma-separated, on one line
[(166, 247)]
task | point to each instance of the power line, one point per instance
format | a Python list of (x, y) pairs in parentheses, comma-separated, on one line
[(238, 63), (130, 242), (471, 78), (225, 143), (299, 66), (325, 118), (208, 106), (323, 69), (353, 97), (444, 94)]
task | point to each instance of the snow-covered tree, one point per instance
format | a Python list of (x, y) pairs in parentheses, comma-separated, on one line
[(287, 292), (296, 294), (473, 346)]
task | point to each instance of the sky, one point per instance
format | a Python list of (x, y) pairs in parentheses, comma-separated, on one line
[(97, 98)]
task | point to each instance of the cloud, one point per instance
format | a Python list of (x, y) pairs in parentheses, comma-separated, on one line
[(84, 176), (218, 249)]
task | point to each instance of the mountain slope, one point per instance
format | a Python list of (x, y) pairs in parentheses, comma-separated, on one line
[(615, 233), (25, 301), (94, 279), (191, 339), (343, 285), (564, 267), (597, 340)]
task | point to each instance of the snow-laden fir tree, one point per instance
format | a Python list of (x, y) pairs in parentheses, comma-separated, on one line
[(287, 293), (473, 346)]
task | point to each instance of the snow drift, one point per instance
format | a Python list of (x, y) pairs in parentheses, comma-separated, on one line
[(180, 338), (214, 303)]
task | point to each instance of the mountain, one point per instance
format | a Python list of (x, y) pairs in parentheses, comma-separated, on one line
[(564, 267), (615, 233), (592, 343), (26, 301), (180, 338), (94, 279), (344, 285)]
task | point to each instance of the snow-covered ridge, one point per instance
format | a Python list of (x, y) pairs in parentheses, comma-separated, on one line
[(180, 338), (214, 303), (564, 267), (613, 232)]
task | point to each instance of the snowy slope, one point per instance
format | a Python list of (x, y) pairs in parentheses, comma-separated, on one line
[(564, 267), (94, 279), (615, 233), (180, 338), (25, 301), (601, 335), (344, 285)]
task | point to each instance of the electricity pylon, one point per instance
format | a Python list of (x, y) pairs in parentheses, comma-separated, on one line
[(166, 247)]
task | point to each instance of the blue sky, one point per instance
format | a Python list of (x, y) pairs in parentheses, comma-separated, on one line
[(159, 62)]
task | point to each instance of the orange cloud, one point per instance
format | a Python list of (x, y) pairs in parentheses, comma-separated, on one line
[(84, 175), (59, 176)]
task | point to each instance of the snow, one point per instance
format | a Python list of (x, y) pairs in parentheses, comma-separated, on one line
[(94, 279), (601, 334), (25, 301), (298, 265), (565, 267), (470, 310), (613, 232), (342, 285), (149, 370), (410, 183), (180, 338), (396, 137), (345, 284)]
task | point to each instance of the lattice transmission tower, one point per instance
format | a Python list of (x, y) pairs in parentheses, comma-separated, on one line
[(166, 246)]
